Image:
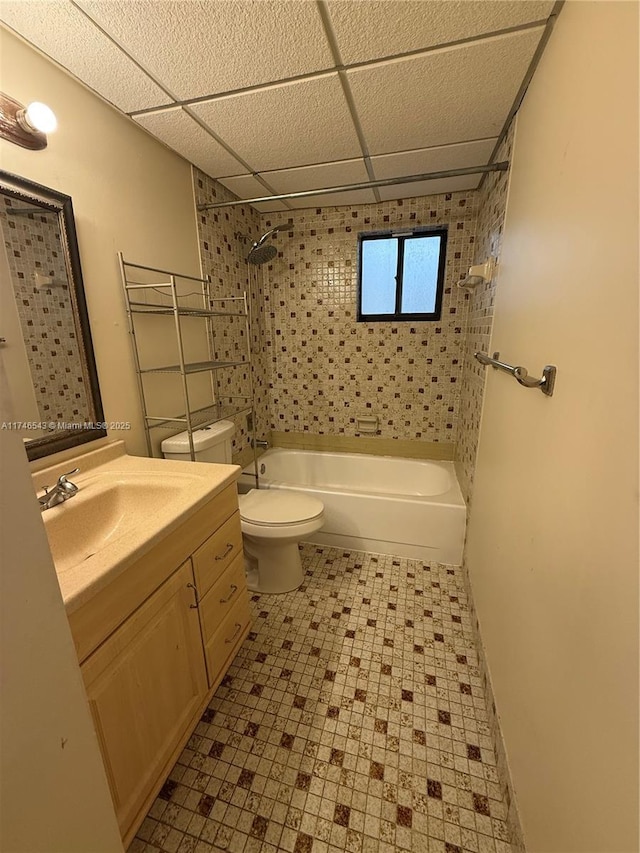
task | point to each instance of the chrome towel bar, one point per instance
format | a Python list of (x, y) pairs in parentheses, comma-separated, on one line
[(545, 384)]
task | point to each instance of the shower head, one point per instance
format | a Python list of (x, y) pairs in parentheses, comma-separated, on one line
[(262, 252)]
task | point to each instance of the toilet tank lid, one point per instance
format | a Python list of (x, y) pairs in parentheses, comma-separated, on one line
[(202, 438)]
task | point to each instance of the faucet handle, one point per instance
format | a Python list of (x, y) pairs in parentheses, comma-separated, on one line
[(65, 485)]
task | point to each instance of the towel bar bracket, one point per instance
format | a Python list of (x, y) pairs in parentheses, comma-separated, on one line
[(545, 384)]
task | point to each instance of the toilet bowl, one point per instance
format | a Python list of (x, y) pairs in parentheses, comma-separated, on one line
[(273, 522)]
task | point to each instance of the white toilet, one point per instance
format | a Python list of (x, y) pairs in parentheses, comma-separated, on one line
[(273, 521)]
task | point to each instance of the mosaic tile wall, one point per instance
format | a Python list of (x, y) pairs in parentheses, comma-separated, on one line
[(33, 247), (326, 369), (492, 201), (223, 253)]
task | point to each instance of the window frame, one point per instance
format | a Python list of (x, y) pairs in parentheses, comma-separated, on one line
[(401, 236)]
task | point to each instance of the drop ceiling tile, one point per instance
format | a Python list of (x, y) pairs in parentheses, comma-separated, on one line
[(315, 177), (179, 131), (372, 30), (246, 186), (287, 125), (201, 47), (423, 160), (422, 188), (63, 33), (269, 207), (335, 199), (451, 95)]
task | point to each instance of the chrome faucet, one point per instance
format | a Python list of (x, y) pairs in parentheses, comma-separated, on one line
[(260, 443), (62, 491)]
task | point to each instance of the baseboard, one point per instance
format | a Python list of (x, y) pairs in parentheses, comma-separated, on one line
[(516, 837)]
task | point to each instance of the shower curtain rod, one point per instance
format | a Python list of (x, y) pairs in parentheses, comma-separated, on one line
[(385, 182)]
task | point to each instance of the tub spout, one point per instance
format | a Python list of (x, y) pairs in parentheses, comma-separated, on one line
[(260, 443)]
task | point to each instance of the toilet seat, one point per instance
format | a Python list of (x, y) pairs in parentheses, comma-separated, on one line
[(271, 508)]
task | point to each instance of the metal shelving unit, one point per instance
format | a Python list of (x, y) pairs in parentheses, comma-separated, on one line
[(164, 297)]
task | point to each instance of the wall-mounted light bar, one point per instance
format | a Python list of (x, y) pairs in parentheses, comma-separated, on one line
[(26, 126)]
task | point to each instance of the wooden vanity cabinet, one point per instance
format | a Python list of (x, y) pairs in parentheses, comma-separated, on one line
[(145, 684), (154, 645)]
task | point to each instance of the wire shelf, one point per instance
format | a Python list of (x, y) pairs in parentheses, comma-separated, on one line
[(202, 417)]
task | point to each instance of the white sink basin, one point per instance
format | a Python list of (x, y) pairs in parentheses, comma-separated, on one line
[(102, 512)]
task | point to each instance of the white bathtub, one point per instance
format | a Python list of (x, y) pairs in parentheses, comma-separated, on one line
[(405, 507)]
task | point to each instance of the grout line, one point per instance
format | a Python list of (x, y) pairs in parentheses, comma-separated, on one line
[(346, 91)]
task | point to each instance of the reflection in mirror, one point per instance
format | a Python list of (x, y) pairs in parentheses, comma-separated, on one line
[(46, 348)]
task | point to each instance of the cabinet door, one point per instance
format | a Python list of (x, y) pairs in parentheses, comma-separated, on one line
[(145, 684)]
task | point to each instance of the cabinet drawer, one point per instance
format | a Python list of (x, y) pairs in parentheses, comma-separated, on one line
[(227, 639), (222, 596), (217, 553)]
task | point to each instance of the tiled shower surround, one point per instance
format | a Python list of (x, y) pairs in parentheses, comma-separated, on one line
[(32, 240), (323, 369), (326, 369), (352, 719), (315, 368), (223, 252), (479, 321)]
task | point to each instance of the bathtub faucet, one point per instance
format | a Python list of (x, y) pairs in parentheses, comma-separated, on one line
[(260, 443)]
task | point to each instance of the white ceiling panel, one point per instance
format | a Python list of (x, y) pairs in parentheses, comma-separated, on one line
[(61, 31), (314, 177), (179, 131), (269, 207), (423, 160), (422, 188), (201, 47), (335, 199), (412, 103), (377, 28), (292, 124), (451, 95), (246, 186)]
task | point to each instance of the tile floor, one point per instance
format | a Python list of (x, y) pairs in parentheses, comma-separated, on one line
[(352, 719)]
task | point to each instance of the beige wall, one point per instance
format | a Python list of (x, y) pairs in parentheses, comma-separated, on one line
[(553, 537), (53, 788), (129, 193)]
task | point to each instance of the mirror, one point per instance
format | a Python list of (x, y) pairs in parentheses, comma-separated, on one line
[(45, 338)]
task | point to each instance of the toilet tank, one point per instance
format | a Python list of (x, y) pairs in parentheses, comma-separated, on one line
[(211, 444)]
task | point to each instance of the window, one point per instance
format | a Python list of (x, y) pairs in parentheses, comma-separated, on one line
[(401, 275)]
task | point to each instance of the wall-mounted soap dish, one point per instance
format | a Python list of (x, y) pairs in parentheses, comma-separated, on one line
[(367, 424)]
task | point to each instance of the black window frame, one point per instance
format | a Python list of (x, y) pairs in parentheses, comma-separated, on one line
[(399, 316)]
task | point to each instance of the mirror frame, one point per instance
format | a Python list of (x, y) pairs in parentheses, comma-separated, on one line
[(44, 197)]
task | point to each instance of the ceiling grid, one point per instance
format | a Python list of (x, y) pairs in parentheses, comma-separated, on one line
[(290, 97)]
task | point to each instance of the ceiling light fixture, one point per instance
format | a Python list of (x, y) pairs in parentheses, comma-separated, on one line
[(26, 126)]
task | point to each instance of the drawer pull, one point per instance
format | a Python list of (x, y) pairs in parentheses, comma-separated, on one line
[(234, 589), (195, 595), (226, 551), (235, 633)]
